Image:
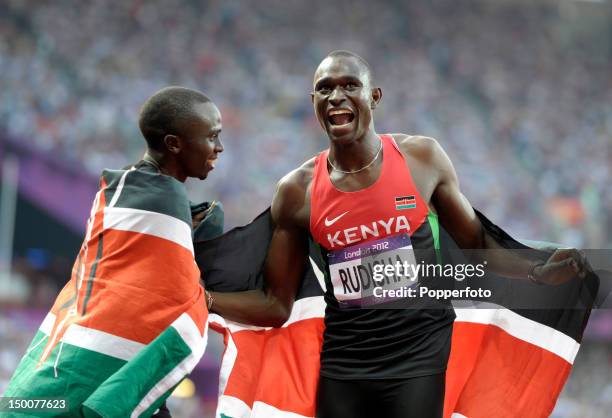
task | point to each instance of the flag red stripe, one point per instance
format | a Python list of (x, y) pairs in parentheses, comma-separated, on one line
[(294, 383), (138, 287), (405, 202), (492, 373)]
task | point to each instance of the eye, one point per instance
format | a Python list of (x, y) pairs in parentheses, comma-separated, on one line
[(324, 90), (351, 86)]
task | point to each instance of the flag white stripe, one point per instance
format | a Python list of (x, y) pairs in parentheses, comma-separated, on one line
[(318, 273), (232, 407), (523, 328), (60, 326), (227, 363), (150, 223), (101, 342), (306, 308), (94, 340), (190, 333), (47, 324), (263, 410)]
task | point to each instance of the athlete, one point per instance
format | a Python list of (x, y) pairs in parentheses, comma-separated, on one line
[(181, 127), (369, 192), (131, 321)]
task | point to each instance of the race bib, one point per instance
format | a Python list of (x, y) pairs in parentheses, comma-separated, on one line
[(368, 273)]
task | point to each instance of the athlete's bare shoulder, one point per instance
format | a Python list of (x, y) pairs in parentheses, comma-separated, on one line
[(428, 163), (290, 205), (301, 176), (423, 148)]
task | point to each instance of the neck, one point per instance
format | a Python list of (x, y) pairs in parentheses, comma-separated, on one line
[(355, 154), (163, 163)]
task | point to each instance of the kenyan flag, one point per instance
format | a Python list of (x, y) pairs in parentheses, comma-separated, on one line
[(405, 202), (131, 322), (504, 362)]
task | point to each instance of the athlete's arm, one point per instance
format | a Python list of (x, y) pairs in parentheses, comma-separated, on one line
[(283, 269), (459, 219)]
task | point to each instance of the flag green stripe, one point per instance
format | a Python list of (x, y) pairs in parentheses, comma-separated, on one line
[(149, 191), (432, 219), (139, 376), (79, 372), (94, 379), (409, 206)]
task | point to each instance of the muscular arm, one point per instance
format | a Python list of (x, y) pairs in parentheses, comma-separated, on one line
[(460, 221), (283, 268)]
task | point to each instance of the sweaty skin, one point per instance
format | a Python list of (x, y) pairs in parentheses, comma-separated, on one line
[(343, 100)]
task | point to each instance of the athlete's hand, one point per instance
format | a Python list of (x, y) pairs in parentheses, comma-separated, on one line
[(562, 266), (197, 218)]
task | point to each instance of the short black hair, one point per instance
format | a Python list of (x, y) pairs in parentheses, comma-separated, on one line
[(350, 54), (166, 112)]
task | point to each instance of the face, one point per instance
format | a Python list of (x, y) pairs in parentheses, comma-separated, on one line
[(200, 143), (343, 98)]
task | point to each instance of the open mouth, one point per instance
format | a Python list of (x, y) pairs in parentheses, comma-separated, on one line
[(339, 117)]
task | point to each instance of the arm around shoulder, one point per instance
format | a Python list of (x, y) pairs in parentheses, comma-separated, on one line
[(283, 268)]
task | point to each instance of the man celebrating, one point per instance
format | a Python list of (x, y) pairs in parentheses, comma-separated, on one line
[(371, 191), (131, 322)]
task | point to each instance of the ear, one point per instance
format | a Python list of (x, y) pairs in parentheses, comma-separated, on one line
[(312, 97), (173, 144), (376, 97)]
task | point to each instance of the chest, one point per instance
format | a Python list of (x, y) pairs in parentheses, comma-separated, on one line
[(342, 219)]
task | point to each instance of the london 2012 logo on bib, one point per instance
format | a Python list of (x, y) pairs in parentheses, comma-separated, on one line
[(405, 202), (352, 270)]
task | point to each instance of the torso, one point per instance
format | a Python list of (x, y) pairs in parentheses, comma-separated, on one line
[(341, 215), (414, 152), (340, 218)]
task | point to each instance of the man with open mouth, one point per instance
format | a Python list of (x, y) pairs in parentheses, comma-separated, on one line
[(369, 197)]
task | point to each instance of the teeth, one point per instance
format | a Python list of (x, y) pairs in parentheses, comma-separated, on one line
[(339, 112)]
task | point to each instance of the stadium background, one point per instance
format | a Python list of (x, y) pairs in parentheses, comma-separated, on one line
[(518, 92)]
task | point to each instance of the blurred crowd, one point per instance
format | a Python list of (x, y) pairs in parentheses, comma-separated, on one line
[(519, 94), (588, 392)]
